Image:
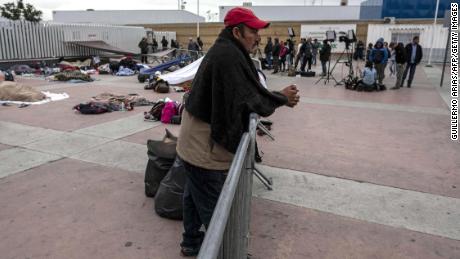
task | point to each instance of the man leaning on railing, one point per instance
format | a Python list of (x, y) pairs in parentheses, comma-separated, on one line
[(226, 89)]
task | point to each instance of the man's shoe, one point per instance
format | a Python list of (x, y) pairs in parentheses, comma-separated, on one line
[(189, 251)]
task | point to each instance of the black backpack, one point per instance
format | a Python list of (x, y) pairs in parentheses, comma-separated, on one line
[(378, 56)]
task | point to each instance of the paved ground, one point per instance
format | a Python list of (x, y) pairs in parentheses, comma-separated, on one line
[(357, 175)]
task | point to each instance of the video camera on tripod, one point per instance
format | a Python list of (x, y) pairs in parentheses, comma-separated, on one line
[(347, 37)]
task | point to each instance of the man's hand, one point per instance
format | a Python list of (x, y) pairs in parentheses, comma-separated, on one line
[(291, 93)]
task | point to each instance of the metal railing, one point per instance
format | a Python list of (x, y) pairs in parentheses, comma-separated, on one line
[(228, 233)]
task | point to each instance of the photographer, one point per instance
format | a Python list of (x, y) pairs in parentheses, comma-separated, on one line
[(298, 56), (324, 56), (306, 51)]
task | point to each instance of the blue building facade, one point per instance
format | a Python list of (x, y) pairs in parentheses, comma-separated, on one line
[(403, 9)]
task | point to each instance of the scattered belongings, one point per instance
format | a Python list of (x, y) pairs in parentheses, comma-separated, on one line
[(76, 64), (161, 154), (107, 102), (165, 177), (167, 111), (168, 199), (69, 75), (104, 69), (22, 69), (124, 71), (179, 89), (184, 74), (10, 91), (14, 93), (158, 85), (187, 85), (8, 76), (145, 74)]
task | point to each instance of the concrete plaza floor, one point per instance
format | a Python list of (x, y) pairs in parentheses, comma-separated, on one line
[(356, 175)]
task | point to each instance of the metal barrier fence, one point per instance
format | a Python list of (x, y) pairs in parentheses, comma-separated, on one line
[(228, 234), (23, 40)]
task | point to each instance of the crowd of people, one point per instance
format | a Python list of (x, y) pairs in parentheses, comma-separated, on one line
[(401, 60), (279, 55), (146, 46)]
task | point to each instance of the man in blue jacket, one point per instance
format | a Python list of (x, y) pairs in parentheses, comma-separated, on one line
[(379, 56)]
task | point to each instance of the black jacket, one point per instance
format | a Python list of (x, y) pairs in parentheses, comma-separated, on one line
[(226, 89), (325, 52), (164, 43), (143, 46), (418, 53), (400, 55), (306, 49), (276, 50), (268, 47)]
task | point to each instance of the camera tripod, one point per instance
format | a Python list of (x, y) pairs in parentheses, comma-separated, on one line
[(349, 62), (328, 74)]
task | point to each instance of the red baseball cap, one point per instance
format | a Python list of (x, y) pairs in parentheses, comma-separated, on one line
[(239, 15)]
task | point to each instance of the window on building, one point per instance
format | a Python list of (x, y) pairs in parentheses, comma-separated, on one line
[(404, 37)]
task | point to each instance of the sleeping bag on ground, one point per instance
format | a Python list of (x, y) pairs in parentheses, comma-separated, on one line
[(161, 157), (168, 200)]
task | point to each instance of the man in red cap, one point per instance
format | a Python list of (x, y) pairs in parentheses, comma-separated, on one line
[(226, 89)]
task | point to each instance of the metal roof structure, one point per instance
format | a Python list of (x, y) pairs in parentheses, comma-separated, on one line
[(127, 17)]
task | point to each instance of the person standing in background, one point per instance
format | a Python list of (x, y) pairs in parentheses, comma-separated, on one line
[(324, 56), (379, 56), (314, 50), (401, 60), (143, 45), (268, 52), (414, 54), (276, 56)]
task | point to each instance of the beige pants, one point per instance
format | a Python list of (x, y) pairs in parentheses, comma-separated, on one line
[(380, 72), (399, 74)]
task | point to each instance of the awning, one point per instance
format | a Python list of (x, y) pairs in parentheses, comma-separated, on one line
[(102, 45)]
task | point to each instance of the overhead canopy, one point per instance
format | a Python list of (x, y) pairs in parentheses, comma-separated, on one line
[(102, 45)]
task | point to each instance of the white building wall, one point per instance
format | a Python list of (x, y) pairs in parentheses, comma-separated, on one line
[(127, 17), (428, 35), (299, 13), (26, 40)]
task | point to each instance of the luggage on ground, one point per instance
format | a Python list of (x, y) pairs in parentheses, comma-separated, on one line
[(161, 157), (168, 199)]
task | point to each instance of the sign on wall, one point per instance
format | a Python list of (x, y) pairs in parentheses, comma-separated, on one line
[(319, 32)]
